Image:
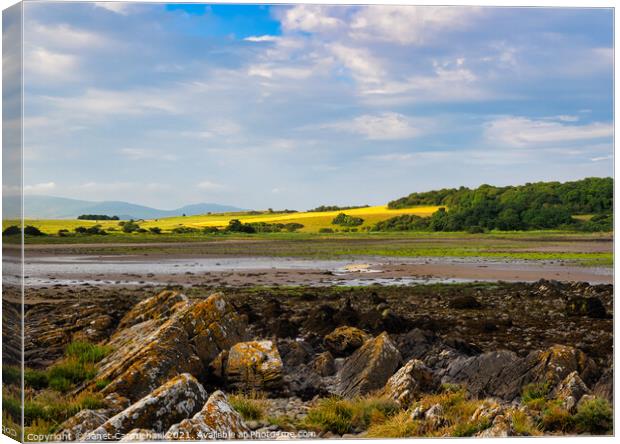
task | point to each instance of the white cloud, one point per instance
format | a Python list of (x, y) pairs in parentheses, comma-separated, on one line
[(42, 65), (451, 81), (122, 8), (409, 24), (602, 158), (311, 18), (274, 71), (63, 36), (363, 65), (39, 188), (109, 102), (523, 132), (147, 154), (563, 118), (261, 38), (210, 186), (385, 126)]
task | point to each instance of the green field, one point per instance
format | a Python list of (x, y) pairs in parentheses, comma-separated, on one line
[(311, 221)]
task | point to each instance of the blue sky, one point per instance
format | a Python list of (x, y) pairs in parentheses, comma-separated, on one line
[(297, 106)]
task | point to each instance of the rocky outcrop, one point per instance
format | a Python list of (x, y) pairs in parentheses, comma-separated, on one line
[(345, 340), (570, 391), (504, 373), (78, 426), (501, 428), (178, 337), (409, 382), (216, 420), (247, 366), (604, 387), (324, 364), (177, 399), (369, 367), (160, 306), (81, 424), (591, 307), (465, 302)]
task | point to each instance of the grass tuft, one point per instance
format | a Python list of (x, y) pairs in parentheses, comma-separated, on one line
[(595, 416), (345, 416), (251, 407)]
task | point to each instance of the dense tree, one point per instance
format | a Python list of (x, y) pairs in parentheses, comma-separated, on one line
[(540, 205), (347, 221)]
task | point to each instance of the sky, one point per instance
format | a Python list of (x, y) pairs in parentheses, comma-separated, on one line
[(297, 106)]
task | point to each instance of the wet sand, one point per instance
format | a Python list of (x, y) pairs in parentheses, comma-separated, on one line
[(252, 271)]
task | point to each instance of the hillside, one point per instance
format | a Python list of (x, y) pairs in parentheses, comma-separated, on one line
[(50, 207)]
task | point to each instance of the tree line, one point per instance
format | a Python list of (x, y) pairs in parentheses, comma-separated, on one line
[(541, 205)]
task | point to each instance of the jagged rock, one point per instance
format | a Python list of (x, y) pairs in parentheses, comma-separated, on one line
[(345, 340), (324, 364), (418, 412), (415, 343), (177, 399), (591, 307), (142, 435), (149, 353), (216, 420), (295, 352), (305, 383), (434, 417), (116, 403), (254, 365), (369, 367), (411, 380), (484, 375), (604, 387), (503, 373), (464, 302), (555, 363), (570, 391), (160, 306), (501, 428), (78, 426), (487, 411)]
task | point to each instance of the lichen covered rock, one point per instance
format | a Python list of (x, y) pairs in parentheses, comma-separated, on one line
[(181, 337), (324, 364), (503, 373), (570, 391), (501, 428), (369, 368), (253, 365), (174, 401), (160, 306), (345, 340), (78, 426), (409, 382), (216, 420)]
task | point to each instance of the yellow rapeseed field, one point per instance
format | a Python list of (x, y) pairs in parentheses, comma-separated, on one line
[(312, 221)]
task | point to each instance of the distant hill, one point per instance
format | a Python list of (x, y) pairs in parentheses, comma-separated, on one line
[(49, 207)]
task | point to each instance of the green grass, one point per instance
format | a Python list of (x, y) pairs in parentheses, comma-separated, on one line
[(85, 352), (77, 366), (527, 246), (595, 416), (344, 416), (251, 407)]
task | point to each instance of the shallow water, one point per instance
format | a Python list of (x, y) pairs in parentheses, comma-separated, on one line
[(115, 270)]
